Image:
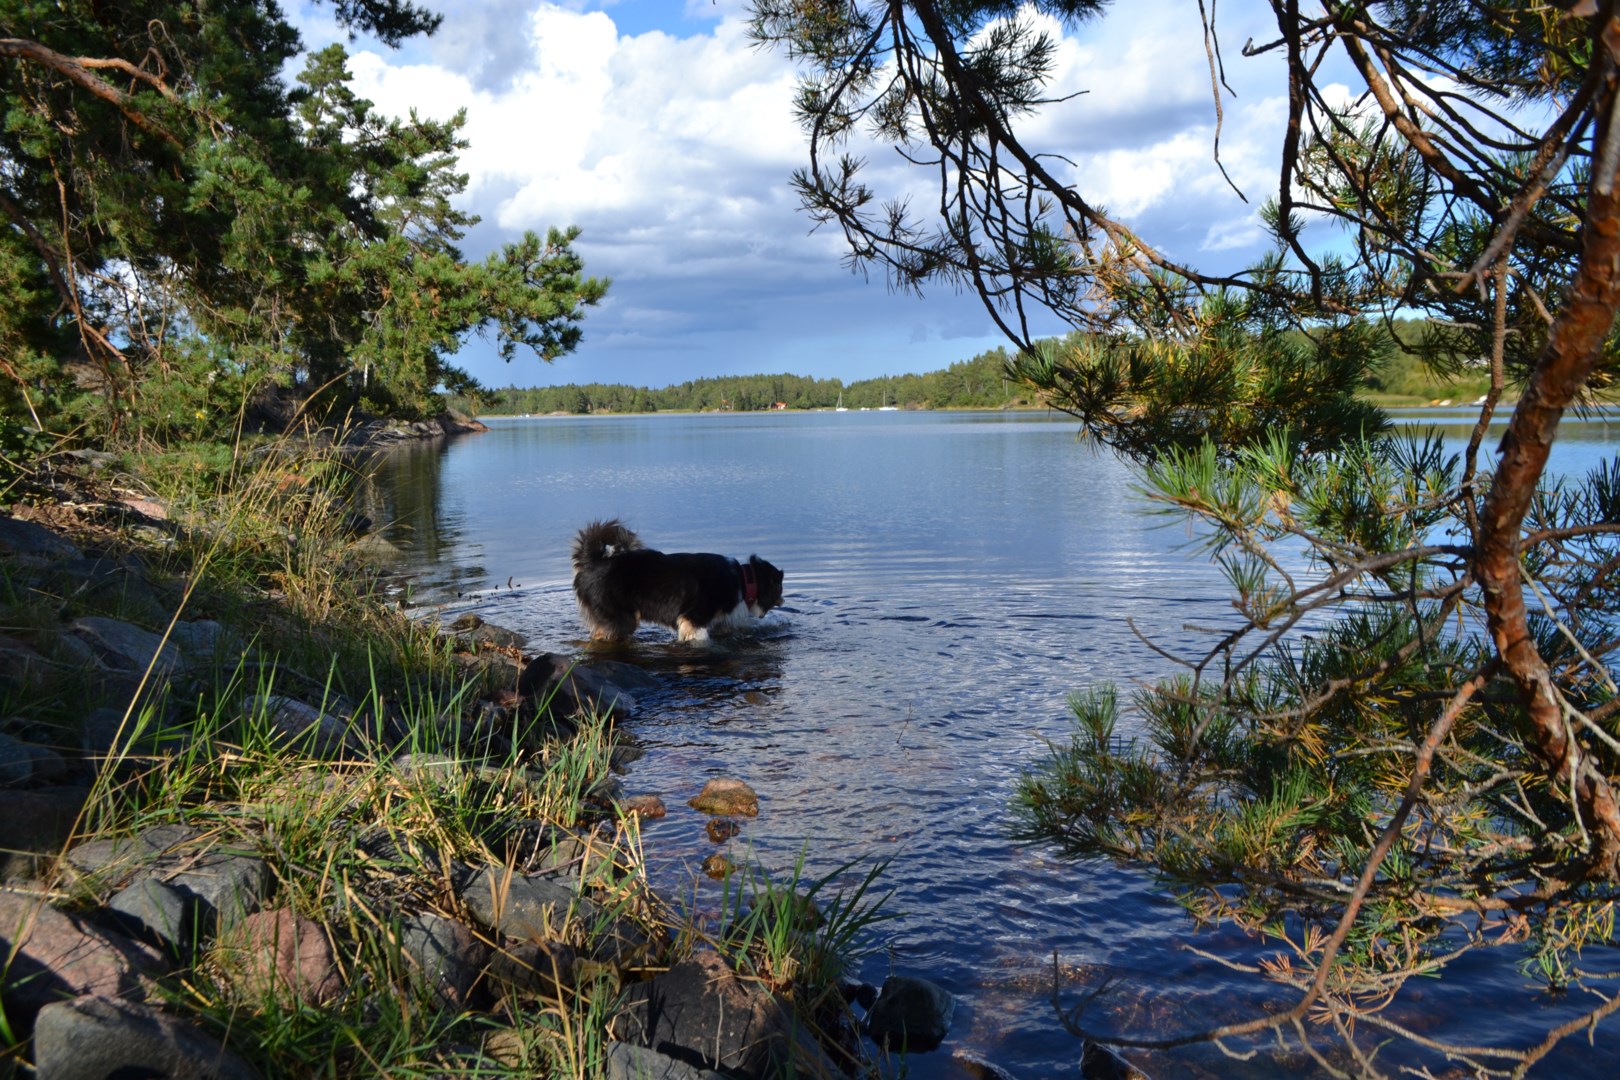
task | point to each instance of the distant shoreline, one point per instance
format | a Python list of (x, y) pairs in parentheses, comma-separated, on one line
[(1402, 402)]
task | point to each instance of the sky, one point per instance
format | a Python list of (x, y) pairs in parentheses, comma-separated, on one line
[(659, 129)]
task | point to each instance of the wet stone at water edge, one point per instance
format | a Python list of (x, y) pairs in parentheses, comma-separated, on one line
[(726, 797)]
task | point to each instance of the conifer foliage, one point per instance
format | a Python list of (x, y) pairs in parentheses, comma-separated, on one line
[(1403, 748), (185, 235)]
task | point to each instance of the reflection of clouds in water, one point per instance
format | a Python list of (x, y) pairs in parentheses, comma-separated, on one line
[(668, 474)]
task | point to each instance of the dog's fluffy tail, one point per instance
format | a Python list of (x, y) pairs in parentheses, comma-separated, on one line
[(602, 540)]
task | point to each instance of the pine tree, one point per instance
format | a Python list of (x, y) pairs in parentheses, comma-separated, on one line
[(1432, 769), (186, 235)]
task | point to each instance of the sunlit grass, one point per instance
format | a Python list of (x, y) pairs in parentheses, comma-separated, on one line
[(409, 781)]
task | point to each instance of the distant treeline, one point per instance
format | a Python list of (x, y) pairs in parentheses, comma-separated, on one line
[(979, 383)]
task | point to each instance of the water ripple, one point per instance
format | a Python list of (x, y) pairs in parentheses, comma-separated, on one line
[(950, 581)]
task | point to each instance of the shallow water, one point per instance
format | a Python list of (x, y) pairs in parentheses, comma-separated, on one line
[(951, 579)]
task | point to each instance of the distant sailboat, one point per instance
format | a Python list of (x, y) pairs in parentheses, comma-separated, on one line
[(886, 407), (840, 406)]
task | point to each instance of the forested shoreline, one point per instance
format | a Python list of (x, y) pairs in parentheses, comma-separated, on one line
[(981, 382)]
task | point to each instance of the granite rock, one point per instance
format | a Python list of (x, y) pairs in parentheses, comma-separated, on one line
[(55, 955), (101, 1037)]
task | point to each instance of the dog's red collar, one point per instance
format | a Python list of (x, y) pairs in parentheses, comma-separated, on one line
[(750, 583)]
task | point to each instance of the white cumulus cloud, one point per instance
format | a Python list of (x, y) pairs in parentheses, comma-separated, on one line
[(668, 138)]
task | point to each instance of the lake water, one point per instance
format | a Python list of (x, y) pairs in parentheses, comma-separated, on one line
[(951, 579)]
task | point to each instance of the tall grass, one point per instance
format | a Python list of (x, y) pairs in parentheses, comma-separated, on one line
[(382, 812), (800, 936), (353, 838)]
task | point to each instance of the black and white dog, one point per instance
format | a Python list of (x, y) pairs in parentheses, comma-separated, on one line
[(620, 584)]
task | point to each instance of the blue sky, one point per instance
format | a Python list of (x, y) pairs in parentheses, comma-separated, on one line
[(666, 136)]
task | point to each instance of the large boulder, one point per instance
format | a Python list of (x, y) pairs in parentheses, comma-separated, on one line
[(113, 733), (543, 968), (16, 762), (203, 640), (55, 956), (114, 585), (701, 1013), (540, 847), (197, 892), (229, 887), (97, 1036), (21, 663)]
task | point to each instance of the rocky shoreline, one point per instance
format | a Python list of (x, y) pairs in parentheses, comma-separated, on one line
[(109, 923), (128, 912)]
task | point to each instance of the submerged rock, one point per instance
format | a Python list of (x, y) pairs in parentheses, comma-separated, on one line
[(910, 1014), (1099, 1062), (626, 675), (721, 829), (569, 687), (472, 633), (978, 1068)]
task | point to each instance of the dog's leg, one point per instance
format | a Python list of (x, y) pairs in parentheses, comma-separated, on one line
[(687, 630)]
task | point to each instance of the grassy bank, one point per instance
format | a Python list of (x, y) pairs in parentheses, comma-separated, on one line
[(421, 768)]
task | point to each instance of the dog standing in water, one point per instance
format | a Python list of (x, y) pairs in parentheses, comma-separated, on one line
[(620, 584)]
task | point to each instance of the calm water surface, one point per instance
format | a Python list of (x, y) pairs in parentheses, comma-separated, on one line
[(951, 579)]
